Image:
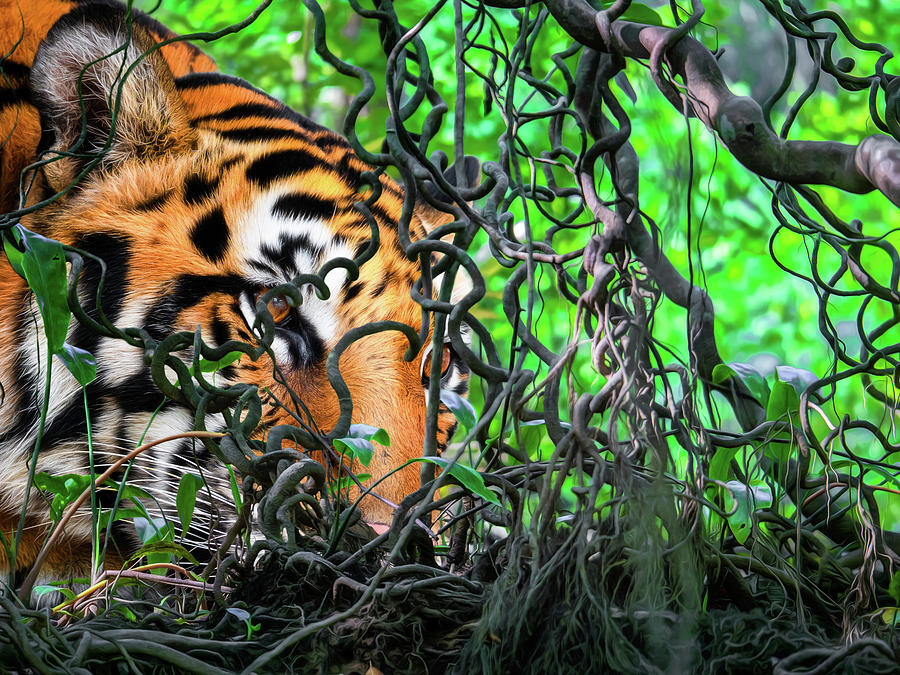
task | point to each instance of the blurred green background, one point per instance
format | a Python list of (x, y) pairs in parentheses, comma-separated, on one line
[(719, 231)]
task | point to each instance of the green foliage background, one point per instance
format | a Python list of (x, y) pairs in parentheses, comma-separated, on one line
[(715, 217)]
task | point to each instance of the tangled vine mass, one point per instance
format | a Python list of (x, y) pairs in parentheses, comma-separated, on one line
[(670, 514)]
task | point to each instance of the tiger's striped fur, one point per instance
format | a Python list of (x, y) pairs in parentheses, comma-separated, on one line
[(211, 192)]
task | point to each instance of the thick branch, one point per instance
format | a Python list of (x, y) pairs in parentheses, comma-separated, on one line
[(739, 121)]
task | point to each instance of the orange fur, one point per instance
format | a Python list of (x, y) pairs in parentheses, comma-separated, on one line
[(189, 191)]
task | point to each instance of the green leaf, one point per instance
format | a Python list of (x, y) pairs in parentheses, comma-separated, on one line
[(784, 405), (66, 489), (783, 401), (160, 551), (460, 407), (44, 268), (367, 431), (720, 464), (186, 498), (750, 376), (54, 484), (43, 589), (207, 366), (642, 14), (468, 477), (894, 587), (124, 609), (133, 492), (798, 378), (14, 256), (241, 614), (154, 529), (235, 490), (80, 363), (120, 514), (743, 503), (359, 448)]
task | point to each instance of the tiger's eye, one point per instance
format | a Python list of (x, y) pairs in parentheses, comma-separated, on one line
[(445, 362), (278, 307)]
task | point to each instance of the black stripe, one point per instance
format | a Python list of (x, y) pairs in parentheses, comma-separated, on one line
[(197, 188), (299, 206), (260, 134), (27, 410), (361, 248), (211, 79), (221, 331), (282, 164), (14, 84), (210, 235), (382, 287), (278, 109), (353, 290), (349, 173), (137, 394), (13, 70), (188, 290), (153, 203), (283, 254), (14, 96), (331, 141), (115, 251), (382, 216), (69, 424), (305, 347), (244, 110)]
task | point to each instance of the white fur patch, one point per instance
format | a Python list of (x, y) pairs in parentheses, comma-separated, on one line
[(261, 229)]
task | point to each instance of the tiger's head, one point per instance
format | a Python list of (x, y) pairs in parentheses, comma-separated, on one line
[(209, 194)]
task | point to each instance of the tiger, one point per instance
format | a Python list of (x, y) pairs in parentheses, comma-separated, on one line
[(208, 193)]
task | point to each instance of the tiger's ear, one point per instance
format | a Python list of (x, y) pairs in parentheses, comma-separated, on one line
[(94, 86)]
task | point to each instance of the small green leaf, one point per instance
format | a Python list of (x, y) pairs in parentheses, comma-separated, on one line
[(213, 366), (43, 589), (370, 433), (798, 378), (120, 514), (720, 464), (750, 376), (153, 529), (14, 256), (80, 363), (783, 401), (160, 551), (54, 484), (741, 503), (235, 489), (468, 477), (460, 407), (186, 498), (894, 587), (359, 448), (241, 614), (124, 609), (640, 13), (66, 489), (133, 492), (44, 267)]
